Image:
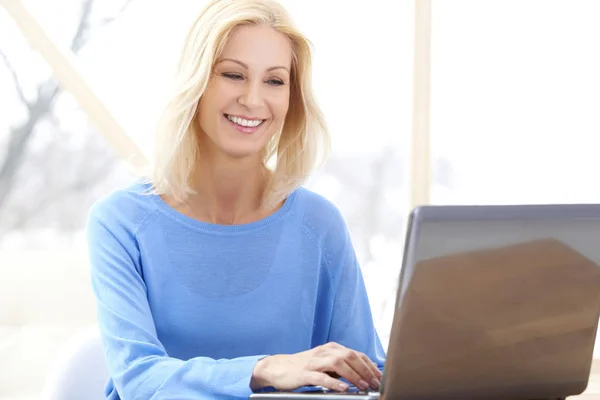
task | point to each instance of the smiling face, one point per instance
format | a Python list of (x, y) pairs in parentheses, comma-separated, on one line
[(247, 97)]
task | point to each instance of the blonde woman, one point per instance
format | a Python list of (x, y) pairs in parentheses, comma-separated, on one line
[(220, 275)]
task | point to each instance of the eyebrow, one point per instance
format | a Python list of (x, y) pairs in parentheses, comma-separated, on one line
[(246, 65)]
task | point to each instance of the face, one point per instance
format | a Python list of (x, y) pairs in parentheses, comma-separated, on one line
[(247, 97)]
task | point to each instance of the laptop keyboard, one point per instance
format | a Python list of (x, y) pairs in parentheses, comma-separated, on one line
[(319, 389)]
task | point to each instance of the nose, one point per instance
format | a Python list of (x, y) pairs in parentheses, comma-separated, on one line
[(252, 95)]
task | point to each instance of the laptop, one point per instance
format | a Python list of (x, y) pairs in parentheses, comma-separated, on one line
[(494, 302)]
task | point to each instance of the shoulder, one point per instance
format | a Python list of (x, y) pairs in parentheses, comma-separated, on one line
[(323, 220), (124, 208), (318, 211)]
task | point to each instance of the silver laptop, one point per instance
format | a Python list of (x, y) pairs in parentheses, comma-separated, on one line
[(494, 302)]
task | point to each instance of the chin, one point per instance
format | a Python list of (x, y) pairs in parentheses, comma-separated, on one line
[(242, 153), (244, 148)]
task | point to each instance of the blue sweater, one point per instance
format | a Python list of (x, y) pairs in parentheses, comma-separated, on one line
[(187, 308)]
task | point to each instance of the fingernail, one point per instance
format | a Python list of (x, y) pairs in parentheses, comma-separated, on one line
[(375, 383), (343, 386), (363, 384)]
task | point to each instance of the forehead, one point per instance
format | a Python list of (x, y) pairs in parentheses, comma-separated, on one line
[(258, 46)]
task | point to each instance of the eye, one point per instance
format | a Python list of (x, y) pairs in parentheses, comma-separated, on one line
[(234, 77), (275, 82)]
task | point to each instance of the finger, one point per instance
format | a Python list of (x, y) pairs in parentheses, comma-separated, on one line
[(380, 374), (359, 363), (337, 365), (364, 369), (324, 380), (376, 380), (332, 374), (372, 366)]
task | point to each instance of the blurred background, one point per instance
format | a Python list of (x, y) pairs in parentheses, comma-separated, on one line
[(514, 118)]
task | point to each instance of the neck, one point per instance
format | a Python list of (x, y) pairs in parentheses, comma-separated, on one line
[(228, 191)]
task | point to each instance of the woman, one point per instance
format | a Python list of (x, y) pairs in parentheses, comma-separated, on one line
[(219, 276)]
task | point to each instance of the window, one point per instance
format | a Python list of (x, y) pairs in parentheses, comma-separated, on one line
[(515, 99)]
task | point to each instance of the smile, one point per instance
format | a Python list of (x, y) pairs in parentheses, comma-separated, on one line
[(248, 123)]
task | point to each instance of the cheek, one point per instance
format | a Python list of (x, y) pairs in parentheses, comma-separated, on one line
[(205, 115), (281, 106), (208, 120), (211, 108), (217, 96)]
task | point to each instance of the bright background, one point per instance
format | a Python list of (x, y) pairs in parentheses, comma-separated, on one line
[(514, 119)]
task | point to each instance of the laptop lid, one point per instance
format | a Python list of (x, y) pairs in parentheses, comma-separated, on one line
[(496, 302)]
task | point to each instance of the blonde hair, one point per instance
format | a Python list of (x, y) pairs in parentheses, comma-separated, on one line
[(300, 146)]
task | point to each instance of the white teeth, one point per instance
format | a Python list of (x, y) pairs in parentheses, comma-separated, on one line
[(244, 122)]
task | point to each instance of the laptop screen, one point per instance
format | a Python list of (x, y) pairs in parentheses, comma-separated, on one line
[(504, 304), (440, 238)]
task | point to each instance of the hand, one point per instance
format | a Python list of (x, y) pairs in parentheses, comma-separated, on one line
[(316, 367)]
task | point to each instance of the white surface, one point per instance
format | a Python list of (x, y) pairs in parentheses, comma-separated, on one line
[(80, 371), (46, 298)]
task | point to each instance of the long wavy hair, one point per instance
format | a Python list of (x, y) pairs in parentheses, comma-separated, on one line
[(292, 154)]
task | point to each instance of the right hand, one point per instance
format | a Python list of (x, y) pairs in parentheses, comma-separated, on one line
[(316, 367)]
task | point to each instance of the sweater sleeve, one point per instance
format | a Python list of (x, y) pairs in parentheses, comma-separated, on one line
[(352, 322), (138, 364)]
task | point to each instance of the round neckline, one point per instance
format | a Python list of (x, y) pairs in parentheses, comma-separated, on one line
[(221, 228)]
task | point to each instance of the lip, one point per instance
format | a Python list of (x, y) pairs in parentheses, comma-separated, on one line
[(244, 117), (248, 130)]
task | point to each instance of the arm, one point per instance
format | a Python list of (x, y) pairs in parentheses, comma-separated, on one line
[(352, 321), (137, 362), (352, 346)]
